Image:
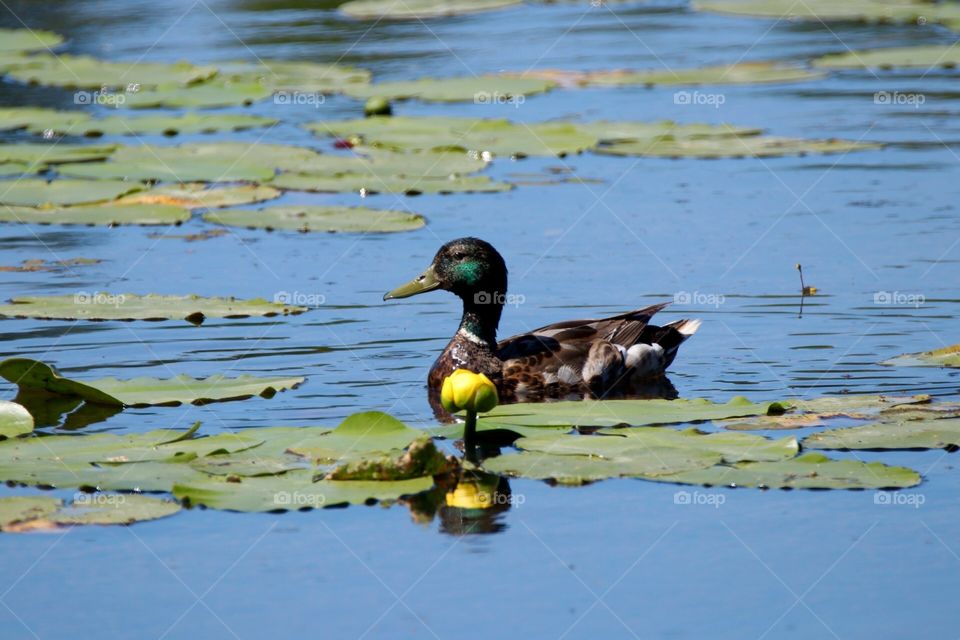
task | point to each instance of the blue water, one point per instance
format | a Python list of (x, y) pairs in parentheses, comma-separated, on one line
[(614, 559)]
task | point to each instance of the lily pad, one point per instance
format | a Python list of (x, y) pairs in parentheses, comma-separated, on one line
[(926, 57), (40, 193), (611, 413), (27, 40), (113, 509), (809, 471), (870, 11), (198, 195), (143, 392), (740, 73), (41, 120), (419, 9), (318, 218), (108, 214), (15, 510), (360, 433), (485, 89), (190, 123), (14, 169), (37, 156), (730, 147), (126, 306), (15, 420), (206, 95), (945, 357), (943, 433), (367, 184), (86, 72), (498, 137), (285, 75)]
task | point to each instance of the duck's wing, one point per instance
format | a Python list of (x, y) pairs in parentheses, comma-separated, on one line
[(596, 352)]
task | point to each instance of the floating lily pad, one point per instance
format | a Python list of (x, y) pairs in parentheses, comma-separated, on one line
[(318, 218), (197, 195), (945, 357), (485, 89), (499, 137), (625, 130), (809, 471), (871, 11), (730, 147), (41, 120), (367, 183), (15, 420), (113, 509), (15, 510), (740, 73), (285, 75), (92, 73), (927, 57), (942, 433), (360, 433), (420, 9), (41, 193), (109, 214), (126, 306), (13, 40), (14, 169), (420, 459), (65, 122), (611, 413), (142, 392), (206, 95), (37, 265), (37, 156)]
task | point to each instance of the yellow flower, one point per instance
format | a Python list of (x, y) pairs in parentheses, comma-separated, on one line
[(465, 390)]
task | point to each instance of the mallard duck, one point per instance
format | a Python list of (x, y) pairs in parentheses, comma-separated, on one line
[(586, 357)]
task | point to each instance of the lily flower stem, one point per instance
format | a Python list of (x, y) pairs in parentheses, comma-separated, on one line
[(470, 437)]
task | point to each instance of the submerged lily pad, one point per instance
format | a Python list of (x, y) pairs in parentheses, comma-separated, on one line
[(27, 40), (927, 57), (830, 11), (809, 471), (41, 193), (485, 89), (740, 73), (198, 195), (93, 73), (935, 433), (318, 218), (15, 420), (126, 306), (108, 214), (420, 9), (945, 357), (142, 392)]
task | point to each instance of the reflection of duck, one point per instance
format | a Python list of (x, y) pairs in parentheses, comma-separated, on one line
[(599, 357)]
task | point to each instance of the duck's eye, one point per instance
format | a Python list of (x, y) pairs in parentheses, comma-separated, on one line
[(459, 255)]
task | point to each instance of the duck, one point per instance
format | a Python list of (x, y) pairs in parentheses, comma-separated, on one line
[(596, 358)]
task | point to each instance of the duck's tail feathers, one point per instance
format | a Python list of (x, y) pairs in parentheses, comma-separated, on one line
[(686, 327), (674, 334)]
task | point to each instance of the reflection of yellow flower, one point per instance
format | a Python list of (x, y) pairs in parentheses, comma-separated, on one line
[(465, 390), (474, 491)]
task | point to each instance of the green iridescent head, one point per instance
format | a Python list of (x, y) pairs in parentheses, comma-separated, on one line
[(468, 267)]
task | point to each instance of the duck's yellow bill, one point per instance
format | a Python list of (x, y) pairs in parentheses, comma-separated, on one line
[(426, 281)]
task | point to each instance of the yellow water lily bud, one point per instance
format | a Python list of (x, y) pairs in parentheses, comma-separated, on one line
[(465, 390)]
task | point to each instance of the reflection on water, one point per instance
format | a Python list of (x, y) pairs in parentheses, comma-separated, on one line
[(469, 502)]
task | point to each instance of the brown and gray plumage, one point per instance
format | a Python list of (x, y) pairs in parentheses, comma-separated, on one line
[(598, 357)]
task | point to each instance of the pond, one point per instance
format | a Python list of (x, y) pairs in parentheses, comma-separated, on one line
[(585, 235)]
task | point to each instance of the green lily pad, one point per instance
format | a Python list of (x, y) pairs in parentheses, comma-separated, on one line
[(106, 509), (824, 11), (485, 89), (740, 73), (14, 169), (611, 413), (942, 433), (360, 433), (926, 57), (86, 72), (189, 123), (626, 130), (318, 218), (730, 147), (15, 420), (419, 9), (198, 195), (285, 75), (40, 193), (945, 357), (27, 40), (205, 95), (367, 183), (293, 490), (109, 214), (499, 137), (809, 471), (37, 156), (127, 306), (41, 120), (18, 509), (420, 459), (143, 392)]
